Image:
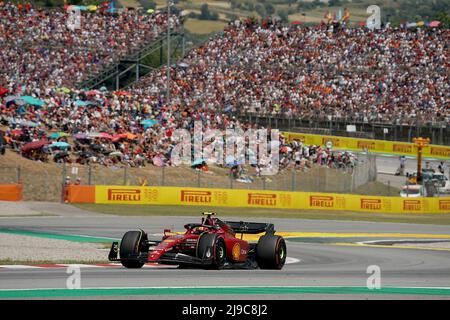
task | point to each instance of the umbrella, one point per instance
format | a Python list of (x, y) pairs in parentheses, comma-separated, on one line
[(434, 24), (56, 135), (296, 22), (80, 136), (59, 144), (150, 11), (92, 8), (94, 135), (80, 103), (117, 137), (148, 123), (197, 162), (122, 93), (16, 99), (106, 135), (64, 89), (93, 92), (28, 124), (116, 154), (3, 91), (130, 136), (183, 64), (158, 161), (34, 145), (33, 101), (16, 132)]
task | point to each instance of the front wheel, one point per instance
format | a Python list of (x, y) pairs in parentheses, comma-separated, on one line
[(271, 252), (130, 249), (210, 246)]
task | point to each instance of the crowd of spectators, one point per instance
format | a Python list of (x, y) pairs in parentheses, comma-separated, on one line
[(391, 75), (40, 49)]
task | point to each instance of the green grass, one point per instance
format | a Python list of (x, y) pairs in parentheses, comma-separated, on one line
[(150, 210), (204, 26)]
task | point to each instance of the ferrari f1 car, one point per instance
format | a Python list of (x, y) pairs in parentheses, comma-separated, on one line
[(211, 244)]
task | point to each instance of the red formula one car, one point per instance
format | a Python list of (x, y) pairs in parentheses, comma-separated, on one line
[(211, 244)]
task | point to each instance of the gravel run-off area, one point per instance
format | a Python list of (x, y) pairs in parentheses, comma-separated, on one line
[(27, 248)]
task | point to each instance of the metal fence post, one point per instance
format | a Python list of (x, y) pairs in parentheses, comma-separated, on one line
[(18, 174), (294, 176), (125, 173), (89, 174), (63, 183), (231, 181)]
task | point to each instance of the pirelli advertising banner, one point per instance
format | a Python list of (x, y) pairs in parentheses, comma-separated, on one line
[(267, 199), (380, 146)]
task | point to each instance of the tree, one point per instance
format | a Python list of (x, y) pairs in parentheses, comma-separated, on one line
[(269, 9), (334, 3), (204, 12), (283, 16)]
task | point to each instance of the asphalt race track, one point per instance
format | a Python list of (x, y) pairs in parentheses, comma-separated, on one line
[(324, 269)]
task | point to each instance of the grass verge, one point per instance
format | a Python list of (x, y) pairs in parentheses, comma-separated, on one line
[(150, 210)]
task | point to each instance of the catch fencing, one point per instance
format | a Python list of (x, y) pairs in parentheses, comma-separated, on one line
[(45, 182)]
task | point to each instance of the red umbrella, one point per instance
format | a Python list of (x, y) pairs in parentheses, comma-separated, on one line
[(16, 132), (106, 135), (93, 92), (34, 145), (3, 91), (434, 24), (296, 22), (119, 136), (123, 93)]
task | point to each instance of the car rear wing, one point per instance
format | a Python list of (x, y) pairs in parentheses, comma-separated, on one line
[(251, 227)]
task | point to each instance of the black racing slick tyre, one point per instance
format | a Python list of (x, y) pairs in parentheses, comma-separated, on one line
[(271, 252), (129, 246), (211, 242)]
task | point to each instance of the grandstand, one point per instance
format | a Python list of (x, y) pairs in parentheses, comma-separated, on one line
[(393, 76)]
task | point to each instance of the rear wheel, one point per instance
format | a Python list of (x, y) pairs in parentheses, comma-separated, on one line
[(271, 252), (210, 246), (130, 246)]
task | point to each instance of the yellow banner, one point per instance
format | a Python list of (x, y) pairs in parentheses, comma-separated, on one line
[(267, 199), (380, 146)]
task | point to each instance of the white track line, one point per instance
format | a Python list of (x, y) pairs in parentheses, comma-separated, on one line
[(289, 260)]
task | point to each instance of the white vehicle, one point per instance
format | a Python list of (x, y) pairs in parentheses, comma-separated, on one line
[(446, 188), (413, 191), (439, 179)]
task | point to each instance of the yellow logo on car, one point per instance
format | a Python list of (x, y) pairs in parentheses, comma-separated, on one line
[(236, 252)]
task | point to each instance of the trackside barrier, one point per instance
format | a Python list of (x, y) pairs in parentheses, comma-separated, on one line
[(257, 199), (11, 192), (80, 194), (378, 146)]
